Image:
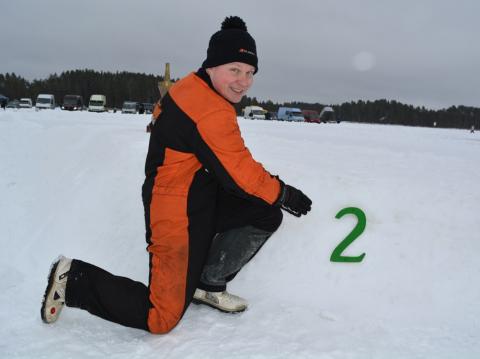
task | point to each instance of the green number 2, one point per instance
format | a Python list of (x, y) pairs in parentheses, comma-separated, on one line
[(354, 234)]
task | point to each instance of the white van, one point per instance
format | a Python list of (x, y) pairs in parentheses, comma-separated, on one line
[(25, 102), (290, 114), (254, 113), (45, 101), (130, 107), (97, 103)]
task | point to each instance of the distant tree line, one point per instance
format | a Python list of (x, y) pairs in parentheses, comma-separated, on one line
[(128, 86), (117, 87)]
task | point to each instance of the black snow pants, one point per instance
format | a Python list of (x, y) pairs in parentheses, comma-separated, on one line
[(241, 228)]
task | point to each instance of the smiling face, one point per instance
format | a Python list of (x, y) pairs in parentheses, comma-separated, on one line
[(232, 80)]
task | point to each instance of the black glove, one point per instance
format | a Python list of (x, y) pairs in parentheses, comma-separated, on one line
[(293, 200)]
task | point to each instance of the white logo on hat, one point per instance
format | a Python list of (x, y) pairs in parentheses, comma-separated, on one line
[(248, 52)]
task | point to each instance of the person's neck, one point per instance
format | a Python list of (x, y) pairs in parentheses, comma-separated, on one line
[(202, 73)]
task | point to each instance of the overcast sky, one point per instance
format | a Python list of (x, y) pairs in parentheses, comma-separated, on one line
[(420, 52)]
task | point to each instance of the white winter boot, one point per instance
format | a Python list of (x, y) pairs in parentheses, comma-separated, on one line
[(222, 301), (54, 297)]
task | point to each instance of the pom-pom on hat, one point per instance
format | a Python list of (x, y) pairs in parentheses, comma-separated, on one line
[(231, 44)]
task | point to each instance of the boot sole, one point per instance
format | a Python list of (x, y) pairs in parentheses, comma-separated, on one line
[(198, 302), (51, 277)]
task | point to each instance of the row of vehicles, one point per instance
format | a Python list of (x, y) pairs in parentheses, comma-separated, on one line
[(97, 103), (291, 114)]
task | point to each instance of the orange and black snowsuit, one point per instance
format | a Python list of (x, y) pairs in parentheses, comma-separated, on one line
[(196, 152)]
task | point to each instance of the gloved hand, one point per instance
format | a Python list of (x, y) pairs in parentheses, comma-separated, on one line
[(293, 200)]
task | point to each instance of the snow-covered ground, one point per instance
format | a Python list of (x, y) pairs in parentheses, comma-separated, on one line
[(70, 183)]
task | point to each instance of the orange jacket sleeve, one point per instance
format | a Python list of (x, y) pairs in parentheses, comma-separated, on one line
[(224, 152)]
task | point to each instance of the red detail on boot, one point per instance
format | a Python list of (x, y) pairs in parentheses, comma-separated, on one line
[(52, 311)]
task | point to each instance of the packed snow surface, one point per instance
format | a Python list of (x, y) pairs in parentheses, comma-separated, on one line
[(70, 184)]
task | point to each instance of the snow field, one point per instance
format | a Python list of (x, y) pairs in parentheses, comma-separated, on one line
[(70, 184)]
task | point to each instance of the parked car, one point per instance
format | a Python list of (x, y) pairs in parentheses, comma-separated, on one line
[(311, 116), (148, 107), (13, 104), (25, 102), (45, 101), (254, 113), (72, 103), (328, 115), (271, 116), (130, 107), (97, 103), (290, 114)]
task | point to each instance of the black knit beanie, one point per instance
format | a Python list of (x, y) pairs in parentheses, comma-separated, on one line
[(231, 44)]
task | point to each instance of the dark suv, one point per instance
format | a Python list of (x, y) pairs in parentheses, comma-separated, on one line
[(148, 107), (72, 103)]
